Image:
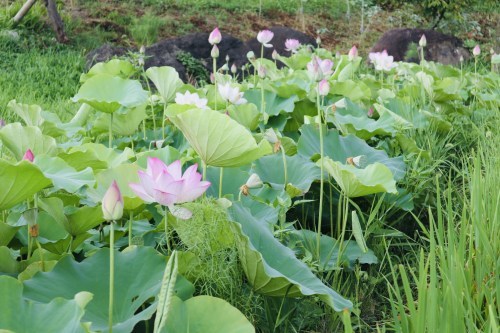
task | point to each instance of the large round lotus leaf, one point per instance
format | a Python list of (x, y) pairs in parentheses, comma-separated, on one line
[(339, 148), (166, 80), (205, 314), (138, 276), (108, 93), (272, 268), (124, 124), (62, 175), (273, 104), (354, 182), (23, 316), (218, 139), (115, 67), (19, 139), (19, 182)]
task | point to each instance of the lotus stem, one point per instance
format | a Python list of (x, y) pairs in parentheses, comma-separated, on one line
[(41, 254), (165, 210), (130, 229), (214, 66), (221, 174), (111, 274), (163, 121), (320, 213), (285, 169), (110, 132)]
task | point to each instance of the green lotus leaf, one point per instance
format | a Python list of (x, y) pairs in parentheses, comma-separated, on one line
[(7, 233), (295, 84), (205, 314), (37, 266), (114, 67), (246, 114), (329, 250), (345, 68), (108, 93), (124, 123), (19, 139), (62, 175), (8, 263), (24, 316), (355, 91), (218, 139), (167, 154), (273, 104), (296, 61), (19, 182), (110, 156), (232, 180), (272, 268), (356, 121), (82, 219), (124, 174), (30, 114), (166, 80), (138, 276), (356, 182), (339, 148), (80, 160), (301, 172)]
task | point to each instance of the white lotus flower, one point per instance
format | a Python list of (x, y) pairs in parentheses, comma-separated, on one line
[(231, 94), (191, 99)]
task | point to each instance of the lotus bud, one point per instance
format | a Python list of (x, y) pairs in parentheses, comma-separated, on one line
[(215, 52), (253, 181), (370, 112), (112, 203), (215, 37), (227, 57), (212, 78), (28, 155), (323, 87), (142, 50), (234, 69), (476, 51), (224, 68), (353, 53), (461, 58), (423, 41), (251, 56), (262, 71), (275, 55), (270, 135)]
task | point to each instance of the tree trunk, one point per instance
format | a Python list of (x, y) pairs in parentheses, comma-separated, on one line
[(56, 21)]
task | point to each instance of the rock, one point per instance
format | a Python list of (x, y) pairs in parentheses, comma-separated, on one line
[(12, 35), (281, 34), (440, 47), (103, 54)]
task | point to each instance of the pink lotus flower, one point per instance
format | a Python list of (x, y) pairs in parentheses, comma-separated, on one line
[(292, 45), (476, 51), (370, 112), (215, 37), (323, 87), (353, 53), (231, 94), (319, 69), (264, 37), (382, 61), (167, 185), (29, 156), (112, 203), (191, 99)]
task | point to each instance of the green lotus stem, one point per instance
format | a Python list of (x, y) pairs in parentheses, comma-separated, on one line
[(110, 132), (130, 229), (41, 254), (345, 213), (111, 274), (283, 156), (331, 208), (152, 111), (320, 213), (165, 210), (214, 66), (221, 174), (163, 121)]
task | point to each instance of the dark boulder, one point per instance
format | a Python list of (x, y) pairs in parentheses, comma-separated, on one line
[(104, 53), (402, 43), (281, 34)]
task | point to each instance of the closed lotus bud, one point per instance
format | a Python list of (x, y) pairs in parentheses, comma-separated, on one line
[(323, 87), (234, 69), (227, 57), (476, 51), (215, 52), (142, 50), (370, 112), (215, 37), (423, 41), (270, 135), (112, 203), (275, 55), (254, 181), (353, 53), (461, 58), (262, 71), (28, 155), (224, 68), (251, 56)]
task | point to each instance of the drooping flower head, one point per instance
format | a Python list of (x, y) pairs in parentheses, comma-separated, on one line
[(231, 94), (112, 203), (29, 156), (319, 69), (167, 185), (353, 53), (215, 37), (476, 51), (191, 99), (292, 45), (382, 60), (264, 37)]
